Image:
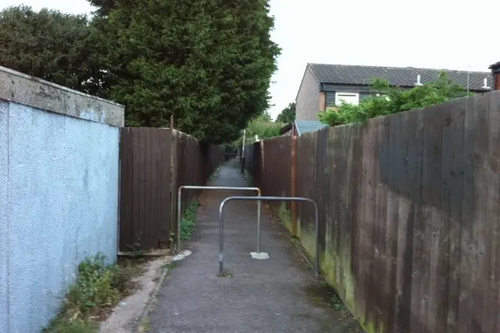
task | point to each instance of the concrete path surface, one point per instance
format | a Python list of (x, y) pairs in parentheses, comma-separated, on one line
[(276, 295)]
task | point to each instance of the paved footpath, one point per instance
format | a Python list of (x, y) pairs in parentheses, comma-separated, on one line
[(276, 295)]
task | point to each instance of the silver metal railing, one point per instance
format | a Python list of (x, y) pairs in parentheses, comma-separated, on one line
[(259, 199), (215, 188)]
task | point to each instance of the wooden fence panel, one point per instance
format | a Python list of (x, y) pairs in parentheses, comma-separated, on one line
[(409, 214), (145, 157), (154, 163), (193, 164)]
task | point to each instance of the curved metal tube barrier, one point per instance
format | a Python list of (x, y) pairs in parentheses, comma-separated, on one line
[(224, 188), (260, 198)]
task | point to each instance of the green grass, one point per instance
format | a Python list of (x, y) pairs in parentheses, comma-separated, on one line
[(214, 175), (97, 289), (188, 221), (75, 326), (249, 178), (337, 303)]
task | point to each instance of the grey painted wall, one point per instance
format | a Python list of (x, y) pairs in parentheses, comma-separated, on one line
[(308, 97), (58, 198), (4, 226)]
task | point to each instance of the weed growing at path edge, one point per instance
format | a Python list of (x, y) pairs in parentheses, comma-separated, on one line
[(214, 175), (249, 178), (187, 222), (97, 289)]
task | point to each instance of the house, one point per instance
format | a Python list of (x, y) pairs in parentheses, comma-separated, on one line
[(299, 127), (324, 85)]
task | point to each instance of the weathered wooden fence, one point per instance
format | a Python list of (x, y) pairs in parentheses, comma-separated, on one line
[(409, 209), (154, 163)]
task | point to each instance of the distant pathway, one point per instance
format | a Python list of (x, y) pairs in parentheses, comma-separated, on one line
[(275, 295)]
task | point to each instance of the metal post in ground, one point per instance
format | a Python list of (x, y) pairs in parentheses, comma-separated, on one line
[(215, 188), (243, 152), (261, 198)]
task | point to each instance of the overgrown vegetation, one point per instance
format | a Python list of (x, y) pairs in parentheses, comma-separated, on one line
[(337, 303), (392, 100), (261, 128), (249, 178), (51, 45), (207, 63), (188, 221), (97, 289), (135, 248), (287, 115), (214, 175)]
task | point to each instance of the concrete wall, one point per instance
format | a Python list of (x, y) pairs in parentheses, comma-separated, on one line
[(308, 99), (59, 154)]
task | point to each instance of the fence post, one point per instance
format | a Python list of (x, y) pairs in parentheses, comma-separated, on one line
[(293, 191), (243, 152), (262, 171), (173, 187)]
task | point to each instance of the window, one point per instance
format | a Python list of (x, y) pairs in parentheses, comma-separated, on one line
[(350, 98)]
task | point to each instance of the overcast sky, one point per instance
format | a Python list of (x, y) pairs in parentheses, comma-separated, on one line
[(427, 33)]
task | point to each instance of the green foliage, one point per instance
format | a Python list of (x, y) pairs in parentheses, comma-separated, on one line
[(135, 248), (75, 326), (263, 127), (208, 63), (188, 221), (98, 287), (337, 303), (51, 45), (249, 178), (287, 115), (393, 100), (94, 286), (104, 6), (214, 175)]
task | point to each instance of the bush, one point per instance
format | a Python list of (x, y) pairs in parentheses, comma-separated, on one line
[(188, 221), (98, 288), (94, 286), (392, 100)]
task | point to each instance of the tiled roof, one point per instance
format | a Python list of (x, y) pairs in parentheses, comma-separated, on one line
[(397, 76)]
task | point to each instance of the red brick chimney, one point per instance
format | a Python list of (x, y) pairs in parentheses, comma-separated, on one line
[(495, 70)]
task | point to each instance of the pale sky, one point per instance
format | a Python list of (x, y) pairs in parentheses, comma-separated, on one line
[(427, 33)]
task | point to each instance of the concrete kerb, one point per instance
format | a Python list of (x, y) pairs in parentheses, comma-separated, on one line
[(152, 297), (215, 188)]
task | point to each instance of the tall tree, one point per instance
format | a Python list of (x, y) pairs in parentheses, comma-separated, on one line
[(51, 45), (208, 63), (287, 115)]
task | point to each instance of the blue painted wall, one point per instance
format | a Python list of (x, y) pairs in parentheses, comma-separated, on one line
[(58, 205)]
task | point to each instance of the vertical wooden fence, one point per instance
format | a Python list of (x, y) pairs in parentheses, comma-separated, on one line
[(409, 214), (154, 163)]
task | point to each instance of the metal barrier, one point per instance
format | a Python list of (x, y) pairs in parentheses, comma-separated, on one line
[(217, 188), (260, 198)]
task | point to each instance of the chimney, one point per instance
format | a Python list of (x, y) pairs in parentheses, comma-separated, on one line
[(495, 70)]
